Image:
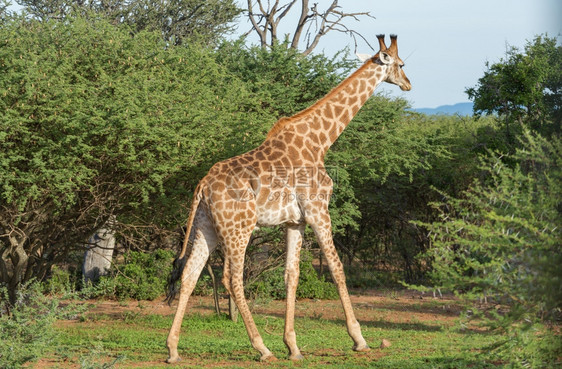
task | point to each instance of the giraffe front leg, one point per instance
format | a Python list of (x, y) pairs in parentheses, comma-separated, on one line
[(323, 231), (294, 236)]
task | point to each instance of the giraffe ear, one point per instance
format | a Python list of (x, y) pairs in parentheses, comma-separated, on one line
[(385, 58), (363, 57)]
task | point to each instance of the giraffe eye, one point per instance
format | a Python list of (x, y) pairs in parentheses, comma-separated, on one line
[(401, 66)]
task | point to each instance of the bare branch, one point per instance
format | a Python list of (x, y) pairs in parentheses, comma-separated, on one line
[(256, 23), (312, 22), (287, 8), (300, 25)]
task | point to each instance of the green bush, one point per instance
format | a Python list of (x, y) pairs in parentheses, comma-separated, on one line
[(204, 286), (96, 123), (500, 242), (530, 346), (141, 276), (363, 277), (272, 283), (26, 327), (389, 161), (60, 282), (96, 358), (283, 80), (311, 285)]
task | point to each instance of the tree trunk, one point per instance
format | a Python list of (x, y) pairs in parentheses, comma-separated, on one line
[(98, 256), (19, 260), (232, 309), (215, 289)]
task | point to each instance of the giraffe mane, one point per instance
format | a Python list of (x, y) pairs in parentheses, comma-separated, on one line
[(284, 122)]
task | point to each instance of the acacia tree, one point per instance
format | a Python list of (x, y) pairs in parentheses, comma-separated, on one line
[(96, 123), (202, 21), (4, 9), (313, 22), (284, 81), (525, 88), (500, 244)]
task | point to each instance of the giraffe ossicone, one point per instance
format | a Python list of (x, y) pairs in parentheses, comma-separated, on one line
[(283, 181)]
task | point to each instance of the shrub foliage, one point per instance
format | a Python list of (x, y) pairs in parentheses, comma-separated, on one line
[(26, 326), (271, 284), (501, 239), (94, 123)]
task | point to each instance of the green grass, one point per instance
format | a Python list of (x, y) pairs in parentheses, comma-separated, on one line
[(213, 341)]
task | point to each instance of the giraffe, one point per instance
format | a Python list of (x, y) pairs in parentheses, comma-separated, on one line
[(283, 181)]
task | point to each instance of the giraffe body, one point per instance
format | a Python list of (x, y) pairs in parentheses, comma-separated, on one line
[(283, 181)]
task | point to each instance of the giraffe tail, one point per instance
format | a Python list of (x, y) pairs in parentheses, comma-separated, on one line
[(179, 262)]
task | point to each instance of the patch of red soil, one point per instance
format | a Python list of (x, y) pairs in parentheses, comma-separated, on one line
[(372, 306)]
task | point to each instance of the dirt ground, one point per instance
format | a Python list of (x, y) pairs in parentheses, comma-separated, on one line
[(402, 304)]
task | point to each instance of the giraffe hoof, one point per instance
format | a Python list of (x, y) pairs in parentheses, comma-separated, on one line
[(173, 360), (268, 357), (296, 357), (361, 348)]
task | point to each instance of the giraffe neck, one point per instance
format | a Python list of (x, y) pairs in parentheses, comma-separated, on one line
[(324, 121)]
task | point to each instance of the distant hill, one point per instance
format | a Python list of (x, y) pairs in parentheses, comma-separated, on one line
[(460, 108)]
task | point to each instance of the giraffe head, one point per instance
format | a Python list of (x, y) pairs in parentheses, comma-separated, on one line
[(389, 57)]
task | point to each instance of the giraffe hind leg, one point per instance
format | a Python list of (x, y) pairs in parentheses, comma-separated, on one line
[(204, 242)]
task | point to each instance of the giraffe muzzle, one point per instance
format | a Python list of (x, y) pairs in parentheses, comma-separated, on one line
[(406, 87)]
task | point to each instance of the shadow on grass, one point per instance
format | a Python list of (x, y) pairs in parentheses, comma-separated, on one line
[(438, 362), (380, 323), (383, 324), (425, 306), (331, 358), (403, 326)]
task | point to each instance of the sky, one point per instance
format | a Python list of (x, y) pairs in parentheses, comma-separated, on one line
[(445, 43)]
